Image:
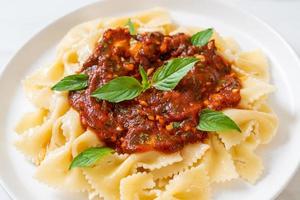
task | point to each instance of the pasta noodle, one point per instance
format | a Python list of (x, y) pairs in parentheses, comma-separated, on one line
[(190, 184), (247, 163), (105, 177), (247, 119), (218, 162), (30, 120), (156, 160), (84, 141), (190, 154), (132, 187), (254, 92), (33, 143), (52, 136), (254, 63), (54, 171)]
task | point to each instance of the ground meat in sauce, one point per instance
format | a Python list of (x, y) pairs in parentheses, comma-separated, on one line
[(156, 120)]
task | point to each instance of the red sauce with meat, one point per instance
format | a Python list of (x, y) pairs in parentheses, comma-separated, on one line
[(156, 120)]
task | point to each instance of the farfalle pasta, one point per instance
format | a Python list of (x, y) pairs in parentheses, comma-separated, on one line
[(57, 131)]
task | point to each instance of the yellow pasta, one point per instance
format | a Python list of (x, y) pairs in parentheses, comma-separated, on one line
[(190, 184), (218, 162), (30, 120), (85, 140), (71, 125), (156, 160), (183, 29), (246, 119), (75, 35), (119, 168), (40, 97), (45, 77), (248, 164), (254, 92), (232, 45), (105, 177), (133, 187), (219, 41), (190, 154), (231, 138), (253, 63), (54, 171), (33, 143), (66, 128), (58, 138)]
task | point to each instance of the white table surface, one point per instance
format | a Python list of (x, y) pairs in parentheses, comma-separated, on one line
[(19, 19)]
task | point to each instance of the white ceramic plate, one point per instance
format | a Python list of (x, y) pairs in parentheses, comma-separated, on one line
[(281, 157)]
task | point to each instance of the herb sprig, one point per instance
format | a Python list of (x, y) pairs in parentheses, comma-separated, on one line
[(131, 27), (211, 120), (202, 38), (169, 75), (72, 83), (165, 78), (90, 156)]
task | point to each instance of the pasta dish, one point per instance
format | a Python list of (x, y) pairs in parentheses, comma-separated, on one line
[(138, 107)]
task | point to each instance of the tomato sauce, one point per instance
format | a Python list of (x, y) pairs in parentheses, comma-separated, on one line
[(155, 120)]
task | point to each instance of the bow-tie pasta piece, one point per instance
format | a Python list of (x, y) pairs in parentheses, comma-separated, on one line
[(246, 119), (190, 155), (218, 162), (134, 186), (253, 63), (54, 171), (190, 184)]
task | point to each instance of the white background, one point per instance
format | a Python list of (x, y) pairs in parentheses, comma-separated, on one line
[(20, 19)]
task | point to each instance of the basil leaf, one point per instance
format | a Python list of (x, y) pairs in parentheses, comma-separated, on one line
[(72, 82), (90, 156), (169, 75), (201, 38), (176, 124), (145, 80), (119, 89), (131, 27), (216, 121)]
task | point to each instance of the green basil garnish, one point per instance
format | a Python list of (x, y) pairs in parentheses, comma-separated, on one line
[(176, 124), (131, 27), (216, 121), (90, 156), (145, 81), (169, 75), (119, 89), (165, 78), (72, 82), (202, 38)]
